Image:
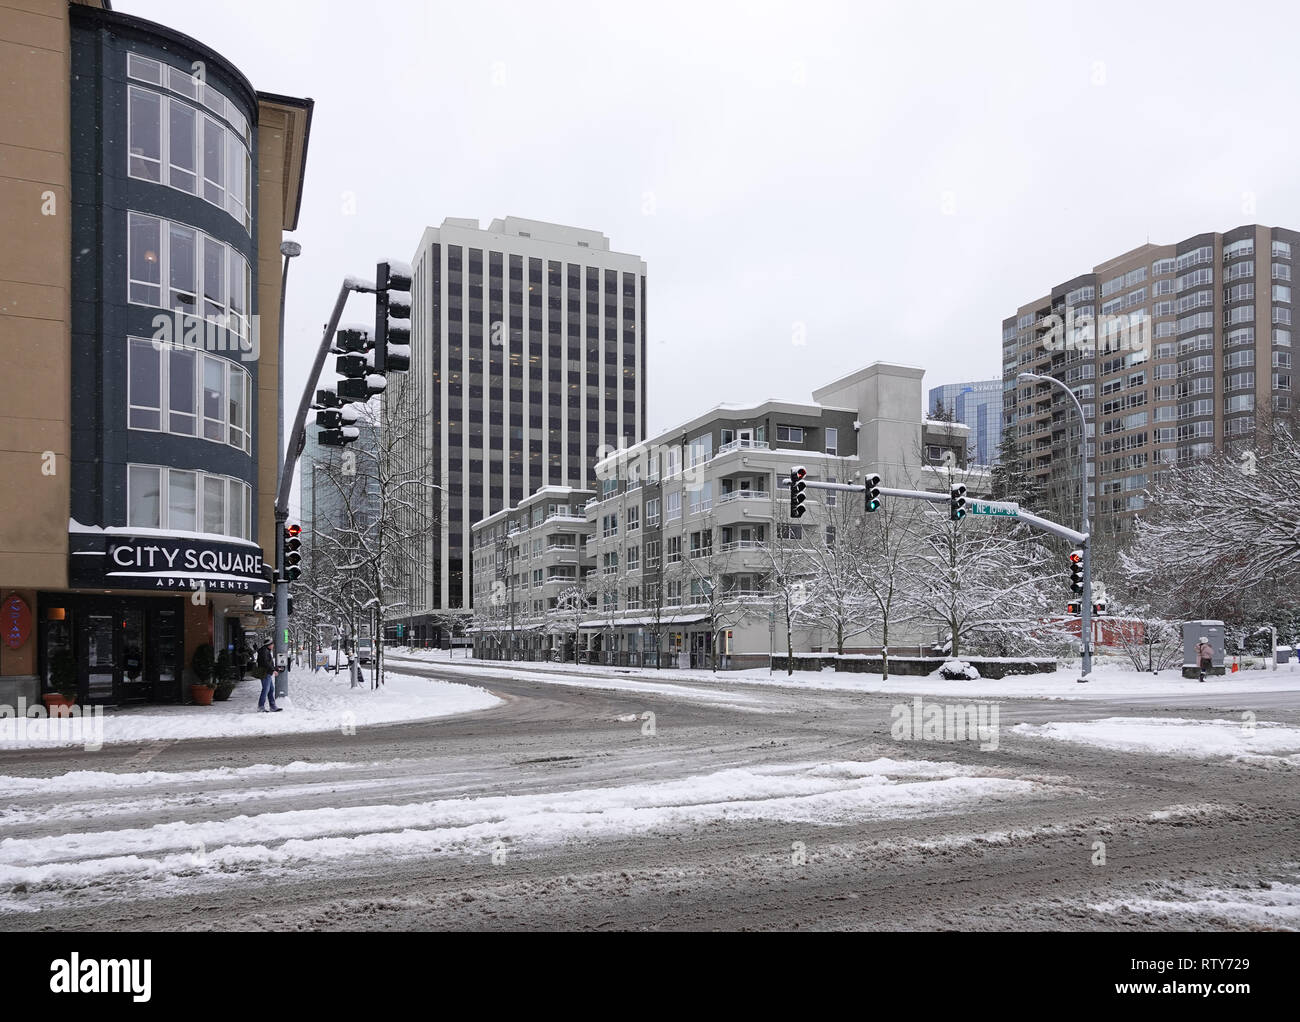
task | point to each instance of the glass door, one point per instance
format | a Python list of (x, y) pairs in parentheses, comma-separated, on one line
[(165, 648), (135, 682), (98, 655)]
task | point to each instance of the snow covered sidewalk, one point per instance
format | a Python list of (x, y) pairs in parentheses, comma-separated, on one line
[(1106, 682), (318, 702)]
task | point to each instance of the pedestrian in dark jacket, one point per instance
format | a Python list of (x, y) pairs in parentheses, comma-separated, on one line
[(1205, 656), (266, 664)]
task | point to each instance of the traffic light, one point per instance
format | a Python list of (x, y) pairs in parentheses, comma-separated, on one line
[(336, 418), (1076, 571), (872, 483), (352, 338), (392, 317), (957, 503), (292, 552), (340, 437), (1074, 607), (1099, 607), (797, 487)]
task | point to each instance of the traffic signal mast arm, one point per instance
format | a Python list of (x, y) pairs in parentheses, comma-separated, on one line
[(1034, 521), (298, 432)]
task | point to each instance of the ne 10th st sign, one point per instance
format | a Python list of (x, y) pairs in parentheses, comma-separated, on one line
[(996, 508)]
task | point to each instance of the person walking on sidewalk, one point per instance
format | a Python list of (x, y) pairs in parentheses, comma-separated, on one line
[(1205, 656), (266, 665)]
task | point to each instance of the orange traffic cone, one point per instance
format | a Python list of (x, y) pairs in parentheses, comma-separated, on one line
[(1236, 663)]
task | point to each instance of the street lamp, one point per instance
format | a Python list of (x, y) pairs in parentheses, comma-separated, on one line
[(1085, 620)]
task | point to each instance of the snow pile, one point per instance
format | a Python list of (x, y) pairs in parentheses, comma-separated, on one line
[(318, 701), (1174, 736), (955, 670), (1268, 905)]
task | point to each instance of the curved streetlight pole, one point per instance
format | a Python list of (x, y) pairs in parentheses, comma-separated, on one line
[(1085, 619)]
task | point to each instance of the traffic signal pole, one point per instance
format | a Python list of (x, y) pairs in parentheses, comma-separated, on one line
[(297, 439)]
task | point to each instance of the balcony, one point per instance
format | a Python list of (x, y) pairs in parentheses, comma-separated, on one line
[(743, 445), (741, 544), (744, 495)]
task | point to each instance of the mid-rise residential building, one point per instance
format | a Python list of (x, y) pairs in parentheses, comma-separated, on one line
[(1174, 350), (145, 186), (528, 355), (673, 546), (979, 405)]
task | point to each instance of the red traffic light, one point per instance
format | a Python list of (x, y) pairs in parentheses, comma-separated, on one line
[(293, 530), (1076, 557), (798, 473)]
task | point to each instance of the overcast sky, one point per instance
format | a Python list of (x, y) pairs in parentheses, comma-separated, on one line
[(894, 179)]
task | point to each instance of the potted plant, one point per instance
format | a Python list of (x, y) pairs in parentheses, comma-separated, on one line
[(63, 676), (227, 676), (204, 665)]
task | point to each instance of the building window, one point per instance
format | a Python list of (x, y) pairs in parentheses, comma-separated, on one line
[(195, 148), (633, 517), (144, 389), (158, 248), (144, 258), (220, 503), (182, 411), (652, 512), (143, 508), (789, 434), (832, 440), (161, 394), (144, 129), (674, 505)]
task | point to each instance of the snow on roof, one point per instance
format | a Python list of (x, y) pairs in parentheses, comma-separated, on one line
[(75, 526)]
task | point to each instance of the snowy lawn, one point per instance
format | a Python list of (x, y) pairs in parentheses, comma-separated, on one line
[(1174, 736), (1106, 682), (318, 702)]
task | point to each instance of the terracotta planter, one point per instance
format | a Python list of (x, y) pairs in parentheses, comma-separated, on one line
[(201, 695), (57, 705)]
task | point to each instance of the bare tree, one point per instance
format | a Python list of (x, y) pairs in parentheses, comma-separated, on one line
[(380, 493), (980, 581)]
